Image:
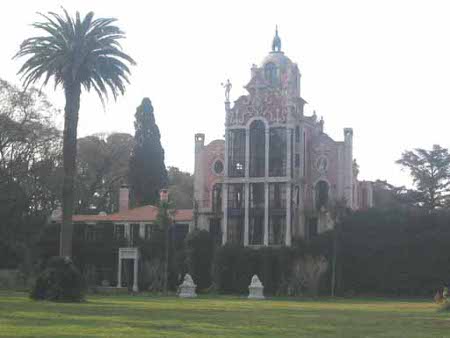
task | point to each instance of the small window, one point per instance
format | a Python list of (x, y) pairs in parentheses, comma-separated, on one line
[(218, 167), (217, 198), (322, 191), (119, 231), (150, 229), (270, 73), (297, 160), (92, 233), (297, 134), (297, 195)]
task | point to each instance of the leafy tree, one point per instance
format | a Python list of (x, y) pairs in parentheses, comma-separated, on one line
[(102, 168), (430, 170), (76, 53), (30, 170), (181, 188), (148, 172)]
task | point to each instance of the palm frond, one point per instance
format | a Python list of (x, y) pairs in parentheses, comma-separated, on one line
[(80, 50)]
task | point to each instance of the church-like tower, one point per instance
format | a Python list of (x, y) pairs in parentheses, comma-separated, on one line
[(277, 175)]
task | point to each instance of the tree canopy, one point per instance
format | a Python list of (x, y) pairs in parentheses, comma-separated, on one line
[(430, 171), (148, 172), (181, 188), (102, 167), (30, 168)]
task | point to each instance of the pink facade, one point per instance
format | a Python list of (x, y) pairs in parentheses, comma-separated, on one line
[(277, 175)]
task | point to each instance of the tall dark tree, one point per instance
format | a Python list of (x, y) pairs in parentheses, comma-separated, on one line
[(430, 171), (77, 53), (148, 172)]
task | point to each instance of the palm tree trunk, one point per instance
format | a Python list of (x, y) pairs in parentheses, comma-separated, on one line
[(72, 93)]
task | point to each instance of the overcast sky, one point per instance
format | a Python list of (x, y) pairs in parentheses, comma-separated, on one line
[(381, 67)]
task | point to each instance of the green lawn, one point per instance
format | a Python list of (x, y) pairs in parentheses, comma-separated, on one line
[(140, 316)]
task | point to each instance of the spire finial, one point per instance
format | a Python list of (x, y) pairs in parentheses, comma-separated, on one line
[(276, 43)]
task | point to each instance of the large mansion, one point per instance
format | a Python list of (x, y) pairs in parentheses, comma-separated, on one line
[(276, 176)]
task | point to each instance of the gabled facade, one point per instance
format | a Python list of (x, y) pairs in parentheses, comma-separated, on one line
[(277, 175)]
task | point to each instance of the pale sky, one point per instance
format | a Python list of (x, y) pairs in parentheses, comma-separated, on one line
[(380, 67)]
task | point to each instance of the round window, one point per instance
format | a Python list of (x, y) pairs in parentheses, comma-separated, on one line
[(218, 167), (322, 164)]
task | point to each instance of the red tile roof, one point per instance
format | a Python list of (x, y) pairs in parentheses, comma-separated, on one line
[(146, 213)]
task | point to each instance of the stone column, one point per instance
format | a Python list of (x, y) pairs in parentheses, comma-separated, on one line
[(246, 214), (266, 190), (266, 171), (288, 213), (225, 169), (247, 152), (348, 166), (266, 213), (127, 233), (369, 195), (135, 274), (198, 169), (225, 213), (142, 230), (289, 153), (119, 273)]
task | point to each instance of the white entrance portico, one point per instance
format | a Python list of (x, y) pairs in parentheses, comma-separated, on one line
[(128, 253)]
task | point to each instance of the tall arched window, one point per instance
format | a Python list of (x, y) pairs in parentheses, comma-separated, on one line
[(270, 73), (322, 191), (217, 198), (277, 152), (257, 148)]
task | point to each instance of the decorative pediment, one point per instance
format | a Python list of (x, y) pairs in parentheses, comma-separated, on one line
[(268, 103), (323, 145)]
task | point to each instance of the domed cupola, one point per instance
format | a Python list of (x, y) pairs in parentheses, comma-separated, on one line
[(276, 64)]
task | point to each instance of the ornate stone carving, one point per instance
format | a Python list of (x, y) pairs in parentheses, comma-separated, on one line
[(270, 104), (322, 164), (187, 288), (256, 289)]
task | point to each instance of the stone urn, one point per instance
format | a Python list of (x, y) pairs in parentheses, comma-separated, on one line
[(187, 288), (256, 289)]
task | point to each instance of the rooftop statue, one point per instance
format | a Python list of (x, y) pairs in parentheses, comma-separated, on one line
[(227, 85)]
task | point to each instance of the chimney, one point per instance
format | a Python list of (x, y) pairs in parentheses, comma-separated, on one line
[(124, 198), (163, 195)]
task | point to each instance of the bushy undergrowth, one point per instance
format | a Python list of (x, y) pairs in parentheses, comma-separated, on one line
[(60, 280), (234, 267), (199, 255)]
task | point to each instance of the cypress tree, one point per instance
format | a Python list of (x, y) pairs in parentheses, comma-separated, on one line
[(147, 169)]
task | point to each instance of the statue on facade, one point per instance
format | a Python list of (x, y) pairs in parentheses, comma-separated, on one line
[(227, 85)]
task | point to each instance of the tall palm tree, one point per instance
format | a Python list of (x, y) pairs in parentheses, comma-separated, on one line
[(77, 53)]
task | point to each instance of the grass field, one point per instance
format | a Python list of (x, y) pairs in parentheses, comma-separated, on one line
[(139, 316)]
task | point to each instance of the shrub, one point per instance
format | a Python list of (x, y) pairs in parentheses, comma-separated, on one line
[(395, 252), (282, 270), (59, 281), (199, 254)]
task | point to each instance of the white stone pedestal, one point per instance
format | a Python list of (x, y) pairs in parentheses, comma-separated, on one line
[(256, 289), (187, 288)]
